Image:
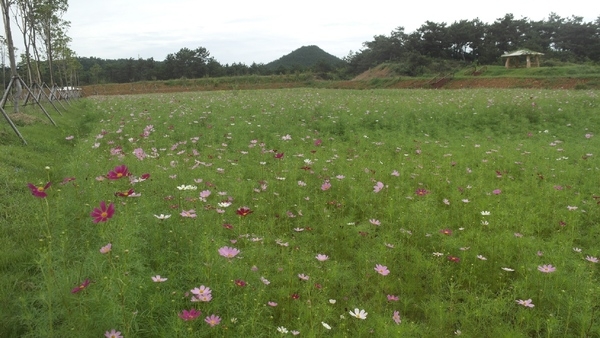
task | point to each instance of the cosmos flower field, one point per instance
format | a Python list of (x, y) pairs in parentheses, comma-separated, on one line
[(385, 213)]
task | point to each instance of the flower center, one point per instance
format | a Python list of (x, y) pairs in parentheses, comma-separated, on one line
[(104, 214)]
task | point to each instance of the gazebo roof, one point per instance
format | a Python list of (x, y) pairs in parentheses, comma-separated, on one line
[(521, 52)]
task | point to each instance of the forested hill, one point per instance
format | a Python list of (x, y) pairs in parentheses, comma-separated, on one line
[(305, 57)]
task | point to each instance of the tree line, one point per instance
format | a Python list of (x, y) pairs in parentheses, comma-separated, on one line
[(473, 41), (47, 57)]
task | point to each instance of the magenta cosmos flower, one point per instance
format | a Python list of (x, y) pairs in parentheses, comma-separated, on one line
[(228, 252), (189, 314), (118, 172), (103, 213), (39, 191)]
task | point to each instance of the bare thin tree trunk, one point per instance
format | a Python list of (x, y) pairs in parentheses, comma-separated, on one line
[(11, 51)]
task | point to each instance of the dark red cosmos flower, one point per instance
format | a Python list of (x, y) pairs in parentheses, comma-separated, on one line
[(240, 282), (145, 176), (295, 296), (227, 226), (279, 155), (318, 142), (453, 259), (447, 232), (67, 180), (39, 191), (124, 193), (421, 192), (243, 211), (118, 172), (81, 286)]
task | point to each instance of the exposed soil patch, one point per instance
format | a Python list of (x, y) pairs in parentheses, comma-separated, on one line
[(378, 78)]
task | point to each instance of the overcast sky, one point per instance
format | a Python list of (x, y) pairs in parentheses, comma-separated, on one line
[(263, 30)]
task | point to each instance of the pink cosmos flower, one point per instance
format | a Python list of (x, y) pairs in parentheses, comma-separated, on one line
[(39, 191), (106, 249), (158, 279), (526, 303), (139, 153), (377, 187), (202, 290), (118, 172), (212, 320), (322, 257), (382, 269), (395, 173), (396, 317), (393, 298), (496, 191), (189, 314), (103, 213), (374, 221), (189, 213), (591, 259), (325, 186), (113, 334), (272, 304), (228, 252), (546, 268), (303, 276)]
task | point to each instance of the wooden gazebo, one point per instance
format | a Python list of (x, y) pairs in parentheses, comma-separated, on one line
[(512, 58)]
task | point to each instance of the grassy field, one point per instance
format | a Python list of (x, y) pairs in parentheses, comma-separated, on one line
[(287, 212)]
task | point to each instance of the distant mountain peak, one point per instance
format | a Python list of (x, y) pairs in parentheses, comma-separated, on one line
[(304, 57)]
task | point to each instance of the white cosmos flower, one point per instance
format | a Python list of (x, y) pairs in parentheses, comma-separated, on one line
[(282, 329), (187, 187), (326, 325), (161, 216), (360, 314), (485, 213)]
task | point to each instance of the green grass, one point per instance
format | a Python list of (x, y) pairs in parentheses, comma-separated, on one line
[(526, 156)]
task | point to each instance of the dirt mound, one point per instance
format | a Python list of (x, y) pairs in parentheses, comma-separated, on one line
[(375, 73)]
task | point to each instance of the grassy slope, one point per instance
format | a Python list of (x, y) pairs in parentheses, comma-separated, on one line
[(383, 76), (18, 164)]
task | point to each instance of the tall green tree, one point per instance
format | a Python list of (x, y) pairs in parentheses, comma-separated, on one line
[(466, 38), (188, 63)]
